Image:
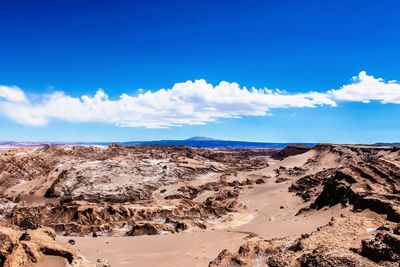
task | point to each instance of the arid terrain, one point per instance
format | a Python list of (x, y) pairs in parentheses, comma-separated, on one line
[(331, 205)]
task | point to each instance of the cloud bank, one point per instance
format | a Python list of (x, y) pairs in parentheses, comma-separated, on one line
[(187, 103)]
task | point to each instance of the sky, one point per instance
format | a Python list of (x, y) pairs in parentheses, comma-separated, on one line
[(273, 71)]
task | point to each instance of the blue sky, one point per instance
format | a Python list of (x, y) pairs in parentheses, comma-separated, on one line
[(76, 47)]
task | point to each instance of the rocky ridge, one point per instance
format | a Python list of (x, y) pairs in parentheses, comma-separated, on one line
[(362, 178)]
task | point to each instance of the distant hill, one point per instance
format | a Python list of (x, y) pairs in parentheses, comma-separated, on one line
[(206, 142), (387, 144), (200, 138), (197, 141)]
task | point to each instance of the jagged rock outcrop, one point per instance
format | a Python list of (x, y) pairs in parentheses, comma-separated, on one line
[(355, 176), (383, 247), (369, 179), (31, 246)]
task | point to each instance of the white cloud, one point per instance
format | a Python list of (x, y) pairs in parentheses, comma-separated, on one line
[(367, 88), (12, 94), (187, 103)]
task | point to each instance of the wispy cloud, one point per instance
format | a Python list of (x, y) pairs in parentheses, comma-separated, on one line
[(187, 103)]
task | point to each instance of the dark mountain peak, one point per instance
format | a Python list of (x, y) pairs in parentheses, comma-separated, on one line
[(200, 138)]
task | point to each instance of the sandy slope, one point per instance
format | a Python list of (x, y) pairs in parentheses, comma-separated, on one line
[(199, 248), (263, 217)]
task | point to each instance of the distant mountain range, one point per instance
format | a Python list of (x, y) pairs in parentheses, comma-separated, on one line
[(206, 142), (197, 141), (387, 144)]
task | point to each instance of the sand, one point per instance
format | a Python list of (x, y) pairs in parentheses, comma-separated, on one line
[(183, 249), (263, 217), (51, 261)]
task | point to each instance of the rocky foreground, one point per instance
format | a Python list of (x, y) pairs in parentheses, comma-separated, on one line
[(333, 205)]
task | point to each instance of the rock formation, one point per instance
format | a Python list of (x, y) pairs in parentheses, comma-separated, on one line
[(360, 177)]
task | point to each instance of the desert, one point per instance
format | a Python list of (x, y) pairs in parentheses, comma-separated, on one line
[(194, 133), (151, 205)]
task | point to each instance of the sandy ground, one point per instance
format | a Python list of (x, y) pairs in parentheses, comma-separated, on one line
[(183, 249), (51, 261), (270, 213), (274, 208)]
